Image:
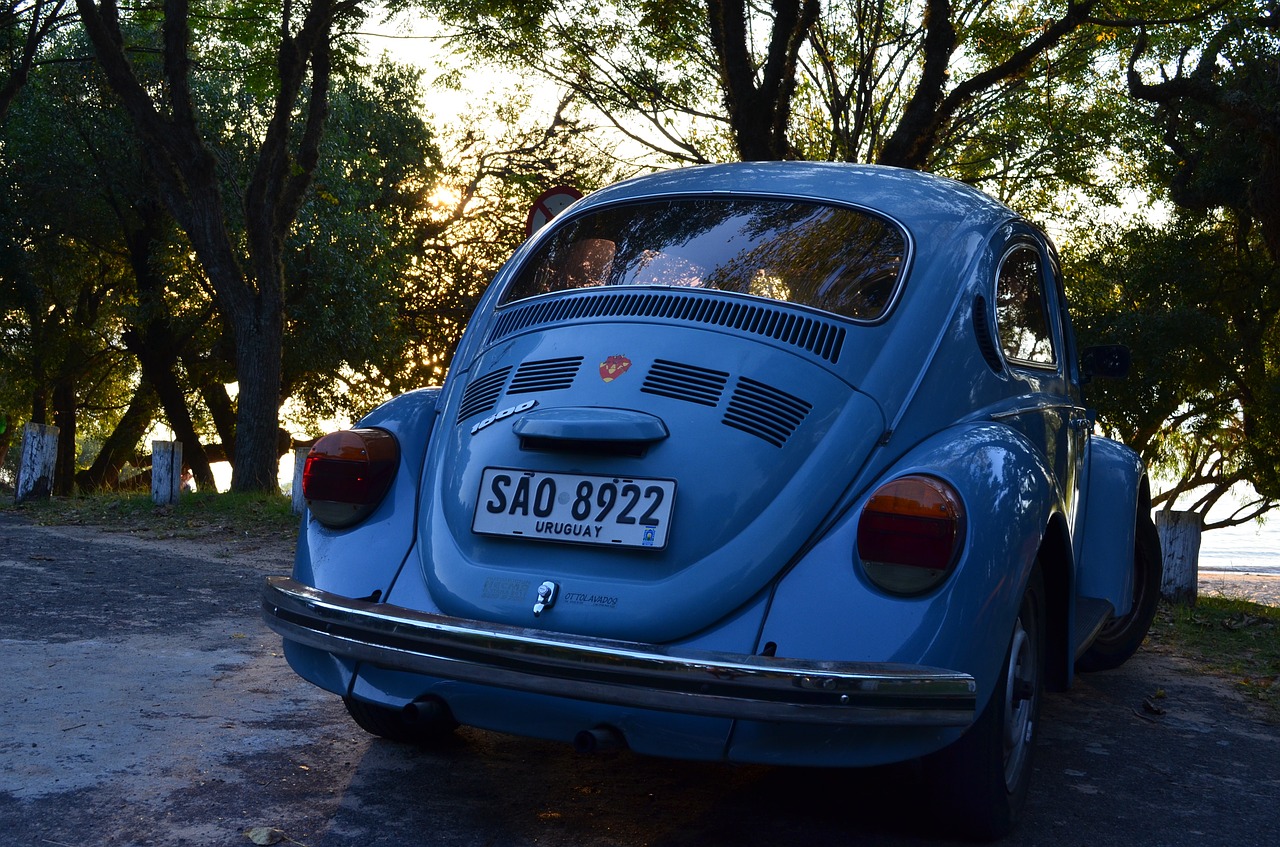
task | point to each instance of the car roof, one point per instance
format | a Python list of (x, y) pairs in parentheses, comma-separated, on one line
[(921, 202)]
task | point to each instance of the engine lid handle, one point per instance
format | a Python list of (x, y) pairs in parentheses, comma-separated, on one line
[(590, 423)]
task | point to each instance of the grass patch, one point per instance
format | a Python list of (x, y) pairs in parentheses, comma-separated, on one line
[(1234, 638), (194, 515)]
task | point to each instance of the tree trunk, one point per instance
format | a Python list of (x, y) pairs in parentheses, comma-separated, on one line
[(64, 418), (916, 134), (38, 462), (166, 472), (759, 100), (40, 400), (938, 96), (259, 351), (154, 340), (155, 348), (223, 412), (1180, 541), (122, 445)]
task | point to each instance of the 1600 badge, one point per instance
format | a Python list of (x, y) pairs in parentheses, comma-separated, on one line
[(628, 512)]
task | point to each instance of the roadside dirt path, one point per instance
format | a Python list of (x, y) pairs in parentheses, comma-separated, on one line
[(146, 704)]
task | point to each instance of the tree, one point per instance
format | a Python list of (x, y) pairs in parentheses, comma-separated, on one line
[(1009, 94), (24, 25), (941, 94), (1200, 307), (71, 140), (248, 281), (1220, 118), (64, 279), (365, 285), (1200, 297), (56, 314)]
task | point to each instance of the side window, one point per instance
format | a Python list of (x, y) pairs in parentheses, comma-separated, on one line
[(1021, 314)]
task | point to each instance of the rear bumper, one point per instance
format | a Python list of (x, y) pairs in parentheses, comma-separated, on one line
[(648, 676)]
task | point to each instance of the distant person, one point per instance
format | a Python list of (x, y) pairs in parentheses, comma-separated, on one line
[(5, 437)]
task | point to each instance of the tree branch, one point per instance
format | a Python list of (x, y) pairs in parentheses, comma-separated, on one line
[(46, 15)]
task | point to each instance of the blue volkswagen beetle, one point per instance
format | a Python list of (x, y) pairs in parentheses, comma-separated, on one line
[(782, 463)]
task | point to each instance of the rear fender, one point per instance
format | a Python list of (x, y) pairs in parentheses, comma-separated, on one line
[(1105, 533), (825, 607)]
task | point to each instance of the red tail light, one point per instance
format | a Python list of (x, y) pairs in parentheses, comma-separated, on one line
[(348, 473), (910, 533)]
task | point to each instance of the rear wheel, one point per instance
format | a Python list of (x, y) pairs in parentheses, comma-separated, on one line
[(1122, 636), (980, 783), (423, 723)]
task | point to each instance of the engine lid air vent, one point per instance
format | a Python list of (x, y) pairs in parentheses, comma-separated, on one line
[(822, 338), (545, 375), (685, 382), (482, 394), (764, 411)]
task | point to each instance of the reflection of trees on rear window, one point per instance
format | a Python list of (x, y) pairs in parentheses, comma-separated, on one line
[(837, 259), (1020, 309)]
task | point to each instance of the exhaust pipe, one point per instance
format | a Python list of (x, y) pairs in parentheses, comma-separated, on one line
[(429, 714), (599, 740)]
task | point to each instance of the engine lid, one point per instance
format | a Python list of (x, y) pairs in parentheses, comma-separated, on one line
[(656, 478)]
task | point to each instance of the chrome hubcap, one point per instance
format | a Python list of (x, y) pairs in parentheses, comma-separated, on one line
[(1019, 702)]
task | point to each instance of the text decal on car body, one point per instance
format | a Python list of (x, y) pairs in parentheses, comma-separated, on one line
[(581, 508), (505, 413), (581, 598)]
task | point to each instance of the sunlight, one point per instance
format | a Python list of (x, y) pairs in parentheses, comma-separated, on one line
[(444, 197)]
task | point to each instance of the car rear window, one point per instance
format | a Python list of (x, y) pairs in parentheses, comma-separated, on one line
[(837, 259)]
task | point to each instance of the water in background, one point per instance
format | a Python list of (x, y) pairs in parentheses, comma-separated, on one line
[(1247, 548)]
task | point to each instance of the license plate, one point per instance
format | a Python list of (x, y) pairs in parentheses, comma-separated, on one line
[(576, 508)]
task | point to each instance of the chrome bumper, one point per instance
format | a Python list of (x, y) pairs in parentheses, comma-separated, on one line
[(649, 676)]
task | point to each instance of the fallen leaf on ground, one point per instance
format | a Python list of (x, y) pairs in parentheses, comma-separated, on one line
[(264, 835)]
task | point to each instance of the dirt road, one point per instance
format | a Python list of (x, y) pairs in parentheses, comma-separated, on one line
[(144, 703)]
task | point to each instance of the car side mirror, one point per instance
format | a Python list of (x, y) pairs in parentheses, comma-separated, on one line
[(1108, 361)]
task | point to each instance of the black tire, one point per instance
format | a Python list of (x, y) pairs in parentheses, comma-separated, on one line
[(979, 783), (1121, 637), (421, 728)]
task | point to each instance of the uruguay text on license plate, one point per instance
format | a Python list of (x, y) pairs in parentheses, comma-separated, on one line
[(581, 508)]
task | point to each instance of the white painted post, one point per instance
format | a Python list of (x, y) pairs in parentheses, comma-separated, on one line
[(36, 464), (166, 472), (1180, 541), (299, 465)]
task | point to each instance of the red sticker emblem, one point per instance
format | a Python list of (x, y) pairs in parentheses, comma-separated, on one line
[(614, 367)]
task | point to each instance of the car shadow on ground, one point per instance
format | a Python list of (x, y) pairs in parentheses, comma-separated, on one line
[(1107, 771)]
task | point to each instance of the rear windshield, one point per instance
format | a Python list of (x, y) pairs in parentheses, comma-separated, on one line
[(832, 258)]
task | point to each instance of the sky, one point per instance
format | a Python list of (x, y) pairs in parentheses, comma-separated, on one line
[(410, 40)]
